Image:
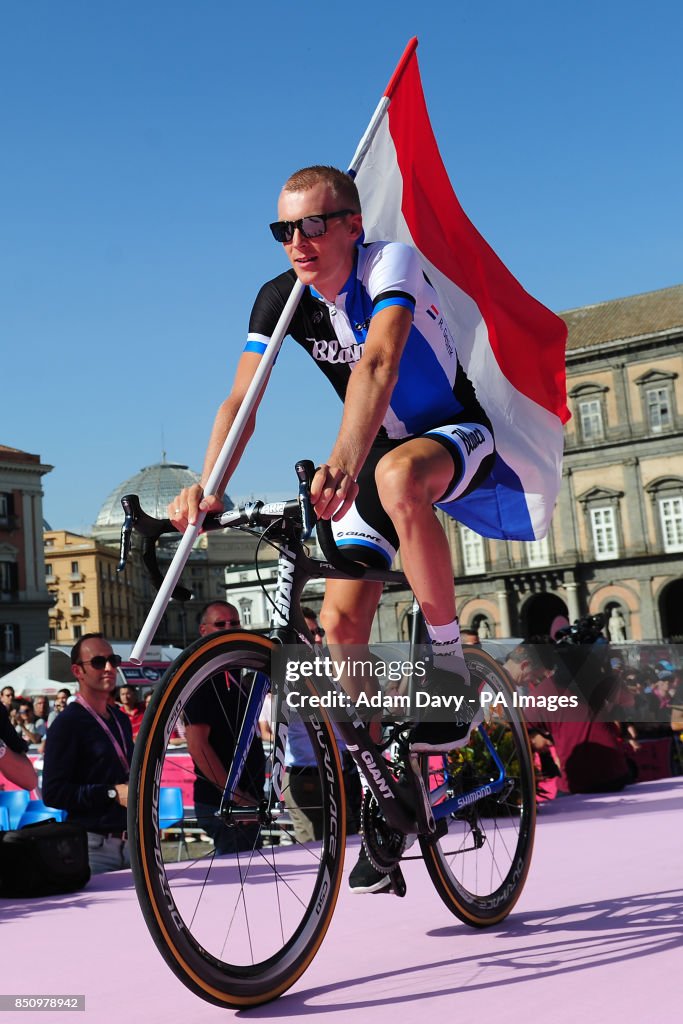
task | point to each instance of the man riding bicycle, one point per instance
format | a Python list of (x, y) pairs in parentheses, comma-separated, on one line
[(412, 433)]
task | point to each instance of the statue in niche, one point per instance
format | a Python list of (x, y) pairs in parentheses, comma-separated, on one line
[(483, 630), (616, 626)]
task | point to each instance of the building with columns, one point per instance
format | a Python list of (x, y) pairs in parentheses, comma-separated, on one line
[(24, 599), (616, 540)]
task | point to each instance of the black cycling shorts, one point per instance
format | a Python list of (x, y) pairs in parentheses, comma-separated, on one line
[(366, 533)]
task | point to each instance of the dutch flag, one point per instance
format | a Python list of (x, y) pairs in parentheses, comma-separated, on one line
[(511, 346)]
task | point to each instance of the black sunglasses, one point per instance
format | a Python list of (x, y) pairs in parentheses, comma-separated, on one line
[(100, 661), (310, 227), (222, 623)]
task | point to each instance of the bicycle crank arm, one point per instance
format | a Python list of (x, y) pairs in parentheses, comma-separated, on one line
[(398, 882), (423, 807)]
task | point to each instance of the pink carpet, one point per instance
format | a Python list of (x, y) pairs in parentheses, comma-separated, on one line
[(595, 936)]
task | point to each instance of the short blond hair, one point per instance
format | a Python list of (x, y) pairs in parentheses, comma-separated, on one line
[(341, 184)]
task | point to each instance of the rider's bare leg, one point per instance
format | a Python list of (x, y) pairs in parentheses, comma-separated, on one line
[(409, 480), (346, 616)]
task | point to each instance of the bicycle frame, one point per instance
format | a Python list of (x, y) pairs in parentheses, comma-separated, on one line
[(295, 569), (211, 918)]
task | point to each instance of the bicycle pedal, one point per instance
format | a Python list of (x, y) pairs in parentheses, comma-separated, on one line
[(398, 882), (440, 830)]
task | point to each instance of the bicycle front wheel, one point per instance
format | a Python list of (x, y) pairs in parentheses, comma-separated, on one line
[(480, 864), (237, 920)]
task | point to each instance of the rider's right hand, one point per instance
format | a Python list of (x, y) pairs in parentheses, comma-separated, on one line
[(185, 507)]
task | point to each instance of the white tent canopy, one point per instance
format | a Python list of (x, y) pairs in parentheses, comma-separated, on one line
[(50, 670)]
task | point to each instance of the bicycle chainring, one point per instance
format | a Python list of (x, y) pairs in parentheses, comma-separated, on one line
[(383, 845)]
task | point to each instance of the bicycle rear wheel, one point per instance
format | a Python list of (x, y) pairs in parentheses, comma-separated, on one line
[(480, 865), (237, 929)]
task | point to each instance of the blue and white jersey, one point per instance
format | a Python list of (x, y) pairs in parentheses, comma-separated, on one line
[(432, 387)]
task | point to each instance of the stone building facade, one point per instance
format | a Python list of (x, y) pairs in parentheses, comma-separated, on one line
[(616, 540), (24, 599), (89, 596)]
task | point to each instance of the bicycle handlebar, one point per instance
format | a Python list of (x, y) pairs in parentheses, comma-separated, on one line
[(305, 471), (253, 514)]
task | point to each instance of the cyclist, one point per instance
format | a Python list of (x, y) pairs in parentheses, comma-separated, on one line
[(412, 431)]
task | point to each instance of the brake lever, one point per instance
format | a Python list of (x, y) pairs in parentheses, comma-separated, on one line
[(126, 535), (305, 470), (150, 529)]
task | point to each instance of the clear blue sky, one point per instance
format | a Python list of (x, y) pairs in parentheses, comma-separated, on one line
[(143, 146)]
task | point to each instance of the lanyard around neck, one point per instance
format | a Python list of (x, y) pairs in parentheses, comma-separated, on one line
[(118, 747)]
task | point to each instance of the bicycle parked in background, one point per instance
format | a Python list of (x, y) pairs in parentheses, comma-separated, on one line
[(240, 929)]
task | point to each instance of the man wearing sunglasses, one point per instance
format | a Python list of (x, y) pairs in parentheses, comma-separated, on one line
[(412, 435), (88, 751)]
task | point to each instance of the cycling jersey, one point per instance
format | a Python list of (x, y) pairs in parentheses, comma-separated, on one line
[(432, 388)]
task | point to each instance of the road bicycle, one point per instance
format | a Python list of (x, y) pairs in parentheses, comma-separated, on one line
[(239, 929)]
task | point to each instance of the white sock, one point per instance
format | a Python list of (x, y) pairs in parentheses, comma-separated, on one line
[(447, 648)]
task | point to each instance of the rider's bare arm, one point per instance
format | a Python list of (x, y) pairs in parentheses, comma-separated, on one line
[(18, 770), (367, 399), (185, 506)]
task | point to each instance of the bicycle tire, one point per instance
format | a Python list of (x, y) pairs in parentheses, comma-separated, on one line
[(480, 865), (240, 929)]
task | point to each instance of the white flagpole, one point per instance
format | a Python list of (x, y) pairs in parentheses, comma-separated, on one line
[(188, 539), (190, 535)]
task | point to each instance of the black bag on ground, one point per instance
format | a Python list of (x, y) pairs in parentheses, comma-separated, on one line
[(44, 859)]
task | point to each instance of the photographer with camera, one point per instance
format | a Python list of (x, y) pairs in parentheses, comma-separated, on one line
[(592, 755)]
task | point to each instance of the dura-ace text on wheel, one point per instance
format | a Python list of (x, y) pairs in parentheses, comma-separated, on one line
[(480, 862), (240, 928)]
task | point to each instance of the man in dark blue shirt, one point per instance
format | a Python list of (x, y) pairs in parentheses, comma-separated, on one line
[(87, 756)]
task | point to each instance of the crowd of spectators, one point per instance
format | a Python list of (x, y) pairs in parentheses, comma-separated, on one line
[(630, 722), (626, 728), (31, 717)]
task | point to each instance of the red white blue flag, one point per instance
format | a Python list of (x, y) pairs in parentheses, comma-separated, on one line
[(511, 347)]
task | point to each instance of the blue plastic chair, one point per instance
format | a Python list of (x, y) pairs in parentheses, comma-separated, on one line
[(171, 813), (53, 812), (32, 817), (16, 801), (4, 820)]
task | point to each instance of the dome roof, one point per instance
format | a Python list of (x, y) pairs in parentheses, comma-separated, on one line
[(155, 486)]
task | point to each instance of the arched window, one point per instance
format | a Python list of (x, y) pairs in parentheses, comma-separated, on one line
[(591, 411), (601, 508), (658, 398), (473, 554), (537, 552), (245, 611), (666, 495)]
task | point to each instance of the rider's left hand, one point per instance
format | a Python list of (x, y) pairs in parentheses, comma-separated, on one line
[(333, 492)]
